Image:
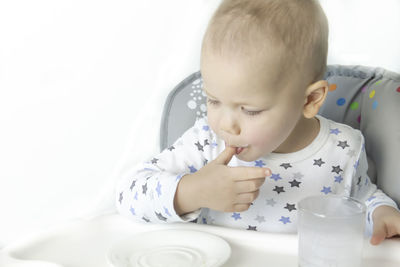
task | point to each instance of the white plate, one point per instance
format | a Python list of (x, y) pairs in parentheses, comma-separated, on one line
[(170, 248)]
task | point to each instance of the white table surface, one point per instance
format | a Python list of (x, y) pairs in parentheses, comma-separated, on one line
[(86, 243)]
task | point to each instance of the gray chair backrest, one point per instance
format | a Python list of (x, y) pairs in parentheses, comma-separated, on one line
[(365, 98)]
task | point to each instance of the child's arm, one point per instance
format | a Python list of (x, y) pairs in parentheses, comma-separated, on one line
[(175, 182), (382, 212)]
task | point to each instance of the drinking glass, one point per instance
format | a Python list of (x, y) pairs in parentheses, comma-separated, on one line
[(331, 231)]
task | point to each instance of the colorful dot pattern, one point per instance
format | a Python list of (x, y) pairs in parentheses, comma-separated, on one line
[(341, 101)]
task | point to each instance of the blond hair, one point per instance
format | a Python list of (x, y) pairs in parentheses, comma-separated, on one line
[(300, 27)]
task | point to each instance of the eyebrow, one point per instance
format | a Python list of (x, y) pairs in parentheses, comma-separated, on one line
[(240, 103), (209, 93)]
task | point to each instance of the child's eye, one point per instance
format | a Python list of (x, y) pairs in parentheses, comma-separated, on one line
[(251, 112), (212, 101)]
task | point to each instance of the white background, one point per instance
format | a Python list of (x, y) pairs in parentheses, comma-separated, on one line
[(82, 84)]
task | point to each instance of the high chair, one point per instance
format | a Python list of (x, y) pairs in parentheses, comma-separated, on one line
[(365, 98)]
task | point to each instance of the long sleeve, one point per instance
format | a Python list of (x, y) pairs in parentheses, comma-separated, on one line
[(365, 191), (147, 193)]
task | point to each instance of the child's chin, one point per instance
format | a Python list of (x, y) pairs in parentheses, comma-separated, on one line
[(245, 156)]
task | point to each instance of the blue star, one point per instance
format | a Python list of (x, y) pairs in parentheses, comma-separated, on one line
[(276, 177), (192, 169), (335, 131), (214, 144), (206, 128), (338, 179), (285, 220), (259, 163), (132, 210), (158, 189), (371, 198), (179, 177), (204, 220), (236, 216), (167, 212), (356, 164), (136, 195), (326, 190)]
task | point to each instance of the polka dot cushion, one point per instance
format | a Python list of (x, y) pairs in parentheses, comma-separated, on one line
[(365, 98)]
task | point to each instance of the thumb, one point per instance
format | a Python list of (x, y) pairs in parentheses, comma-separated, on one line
[(379, 233), (226, 155)]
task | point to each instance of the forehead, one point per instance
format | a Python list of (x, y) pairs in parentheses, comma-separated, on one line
[(236, 71)]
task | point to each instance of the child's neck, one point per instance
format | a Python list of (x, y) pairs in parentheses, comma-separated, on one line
[(302, 135)]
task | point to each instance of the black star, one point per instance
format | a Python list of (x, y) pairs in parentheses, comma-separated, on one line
[(199, 146), (206, 142), (279, 189), (318, 162), (160, 217), (343, 144), (286, 165), (359, 180), (145, 219), (336, 169), (252, 228), (290, 207), (154, 161), (133, 184), (121, 197), (171, 148), (144, 188), (294, 183)]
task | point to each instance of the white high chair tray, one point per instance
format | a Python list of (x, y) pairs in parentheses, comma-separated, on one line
[(89, 243)]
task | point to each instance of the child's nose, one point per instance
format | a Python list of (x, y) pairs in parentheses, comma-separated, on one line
[(230, 125)]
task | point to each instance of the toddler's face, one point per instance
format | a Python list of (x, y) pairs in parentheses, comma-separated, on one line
[(248, 104)]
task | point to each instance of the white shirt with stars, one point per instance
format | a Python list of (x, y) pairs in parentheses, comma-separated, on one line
[(334, 163)]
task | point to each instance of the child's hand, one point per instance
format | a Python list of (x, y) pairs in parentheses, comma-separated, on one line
[(386, 224), (227, 189)]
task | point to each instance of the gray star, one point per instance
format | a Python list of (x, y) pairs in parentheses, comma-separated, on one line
[(121, 197), (290, 207), (171, 148), (144, 188), (318, 162), (252, 228), (286, 165), (206, 142), (336, 169), (160, 217), (298, 175), (133, 184), (279, 189), (260, 219), (145, 219), (294, 183), (271, 202), (351, 153), (199, 146), (154, 161), (205, 162), (343, 144)]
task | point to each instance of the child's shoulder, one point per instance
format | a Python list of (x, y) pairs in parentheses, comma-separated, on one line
[(341, 133)]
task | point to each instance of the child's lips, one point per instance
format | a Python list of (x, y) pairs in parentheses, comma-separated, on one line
[(239, 149)]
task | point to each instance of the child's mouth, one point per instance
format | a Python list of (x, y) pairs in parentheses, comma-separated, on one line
[(240, 149)]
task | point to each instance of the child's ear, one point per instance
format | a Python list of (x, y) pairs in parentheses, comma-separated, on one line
[(314, 98)]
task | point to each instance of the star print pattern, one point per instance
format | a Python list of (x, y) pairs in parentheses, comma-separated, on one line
[(337, 167), (318, 162)]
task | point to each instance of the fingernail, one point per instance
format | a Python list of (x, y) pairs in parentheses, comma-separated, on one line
[(267, 172)]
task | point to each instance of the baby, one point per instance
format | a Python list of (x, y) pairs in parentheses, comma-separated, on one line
[(262, 146)]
